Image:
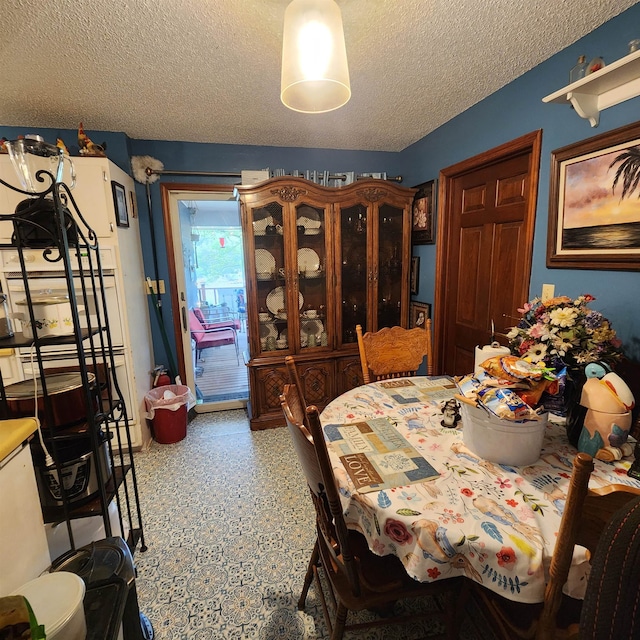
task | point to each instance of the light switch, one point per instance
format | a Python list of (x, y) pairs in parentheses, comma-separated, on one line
[(548, 291)]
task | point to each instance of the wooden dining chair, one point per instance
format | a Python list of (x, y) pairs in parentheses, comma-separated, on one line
[(357, 579), (394, 352), (611, 606), (585, 516), (294, 379)]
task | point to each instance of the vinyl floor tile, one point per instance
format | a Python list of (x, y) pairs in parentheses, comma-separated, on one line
[(230, 527)]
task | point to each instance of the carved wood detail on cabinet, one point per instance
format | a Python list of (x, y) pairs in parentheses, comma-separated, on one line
[(318, 261)]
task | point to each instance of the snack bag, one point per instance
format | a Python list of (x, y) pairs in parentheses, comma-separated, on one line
[(504, 403)]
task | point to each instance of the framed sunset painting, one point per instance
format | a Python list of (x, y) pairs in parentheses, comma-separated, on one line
[(594, 205)]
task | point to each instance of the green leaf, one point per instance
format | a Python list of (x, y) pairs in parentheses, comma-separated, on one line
[(408, 512)]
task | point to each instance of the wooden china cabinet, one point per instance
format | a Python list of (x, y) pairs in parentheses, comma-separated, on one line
[(318, 261)]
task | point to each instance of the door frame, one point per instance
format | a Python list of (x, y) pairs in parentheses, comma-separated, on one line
[(529, 143), (168, 191)]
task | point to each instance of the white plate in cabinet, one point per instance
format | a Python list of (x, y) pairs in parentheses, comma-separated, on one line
[(611, 85)]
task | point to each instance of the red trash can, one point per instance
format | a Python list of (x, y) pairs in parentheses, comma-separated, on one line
[(167, 410)]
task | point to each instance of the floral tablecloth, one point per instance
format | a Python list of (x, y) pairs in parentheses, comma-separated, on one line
[(493, 523)]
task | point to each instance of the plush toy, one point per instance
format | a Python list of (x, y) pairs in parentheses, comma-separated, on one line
[(609, 402)]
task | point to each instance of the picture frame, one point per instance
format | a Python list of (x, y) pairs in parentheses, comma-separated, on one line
[(418, 313), (594, 218), (132, 202), (414, 275), (423, 212), (120, 204)]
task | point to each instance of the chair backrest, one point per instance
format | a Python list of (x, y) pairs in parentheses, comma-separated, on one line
[(611, 607), (394, 352), (198, 314), (311, 449), (585, 516), (294, 379), (195, 326)]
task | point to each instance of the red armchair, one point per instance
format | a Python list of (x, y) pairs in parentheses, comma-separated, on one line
[(212, 336), (217, 322)]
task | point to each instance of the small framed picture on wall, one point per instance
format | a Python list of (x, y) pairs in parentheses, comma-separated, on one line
[(423, 213), (120, 204), (418, 314), (414, 275)]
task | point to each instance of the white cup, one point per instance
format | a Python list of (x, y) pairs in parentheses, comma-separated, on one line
[(281, 343), (264, 317), (311, 313)]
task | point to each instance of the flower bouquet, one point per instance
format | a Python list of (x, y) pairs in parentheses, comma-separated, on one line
[(561, 332), (564, 336)]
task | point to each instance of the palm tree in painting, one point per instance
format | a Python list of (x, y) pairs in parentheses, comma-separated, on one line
[(629, 171)]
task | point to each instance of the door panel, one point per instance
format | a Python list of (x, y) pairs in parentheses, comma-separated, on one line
[(484, 255)]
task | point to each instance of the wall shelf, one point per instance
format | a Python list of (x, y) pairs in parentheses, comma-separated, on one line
[(613, 84)]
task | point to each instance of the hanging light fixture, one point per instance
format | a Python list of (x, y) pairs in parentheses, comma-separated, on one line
[(315, 75)]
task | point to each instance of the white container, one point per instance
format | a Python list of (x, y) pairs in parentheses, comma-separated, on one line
[(57, 602), (502, 441), (52, 314)]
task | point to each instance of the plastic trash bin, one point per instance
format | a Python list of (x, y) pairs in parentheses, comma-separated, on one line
[(167, 410)]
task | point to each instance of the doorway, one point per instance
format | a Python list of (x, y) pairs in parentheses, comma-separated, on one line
[(209, 293), (483, 260)]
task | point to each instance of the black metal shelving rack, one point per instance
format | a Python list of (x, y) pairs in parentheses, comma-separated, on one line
[(50, 222)]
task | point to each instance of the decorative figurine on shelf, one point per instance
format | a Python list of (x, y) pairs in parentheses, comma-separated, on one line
[(607, 422), (61, 145), (595, 65), (89, 148), (450, 413)]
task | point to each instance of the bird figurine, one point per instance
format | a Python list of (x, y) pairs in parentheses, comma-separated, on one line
[(61, 145), (3, 148), (87, 146)]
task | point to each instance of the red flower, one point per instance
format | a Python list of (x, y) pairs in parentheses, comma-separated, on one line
[(512, 503), (506, 557), (466, 492), (433, 573), (397, 531)]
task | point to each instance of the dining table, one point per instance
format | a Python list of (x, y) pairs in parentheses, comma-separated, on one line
[(449, 512)]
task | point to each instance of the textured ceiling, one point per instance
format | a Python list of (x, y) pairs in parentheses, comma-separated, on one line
[(209, 71)]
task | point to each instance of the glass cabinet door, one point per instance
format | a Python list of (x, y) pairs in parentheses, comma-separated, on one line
[(268, 232), (311, 270), (354, 272), (388, 276)]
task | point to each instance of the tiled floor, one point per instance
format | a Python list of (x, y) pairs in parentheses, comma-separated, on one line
[(229, 528)]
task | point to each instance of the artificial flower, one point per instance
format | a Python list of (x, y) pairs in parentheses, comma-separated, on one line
[(562, 332)]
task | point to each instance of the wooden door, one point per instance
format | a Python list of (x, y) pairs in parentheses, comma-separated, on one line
[(483, 263)]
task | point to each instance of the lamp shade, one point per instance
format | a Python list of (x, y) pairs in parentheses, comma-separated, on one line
[(315, 75)]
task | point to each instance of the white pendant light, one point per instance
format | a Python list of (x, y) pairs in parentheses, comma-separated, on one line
[(315, 75)]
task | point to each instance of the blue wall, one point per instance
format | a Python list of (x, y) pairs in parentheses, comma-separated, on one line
[(507, 114), (518, 109)]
